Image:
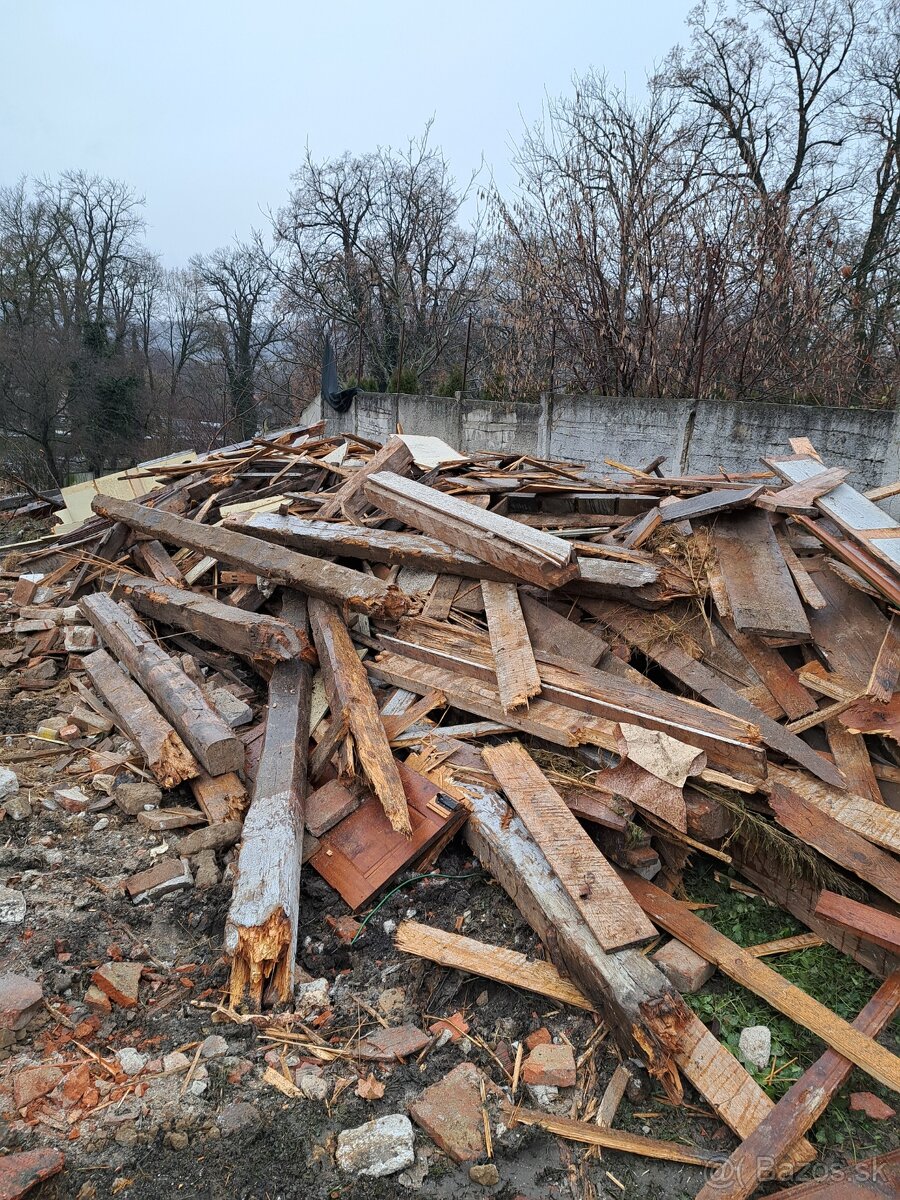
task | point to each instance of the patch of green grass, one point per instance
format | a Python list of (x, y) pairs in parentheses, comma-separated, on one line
[(824, 973)]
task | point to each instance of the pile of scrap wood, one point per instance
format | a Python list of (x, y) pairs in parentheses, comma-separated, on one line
[(347, 653)]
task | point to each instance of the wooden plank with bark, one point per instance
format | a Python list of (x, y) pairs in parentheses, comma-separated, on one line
[(350, 696), (328, 581), (863, 920), (255, 636), (492, 962), (678, 920), (583, 871), (164, 752), (759, 1156), (760, 588), (518, 549), (641, 1008), (517, 674), (161, 676), (261, 927)]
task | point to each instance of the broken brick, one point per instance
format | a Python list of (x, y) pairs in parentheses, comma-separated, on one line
[(871, 1105), (97, 1001), (685, 970), (550, 1066), (167, 876), (119, 981), (540, 1037), (20, 1172), (34, 1082), (450, 1112), (20, 1000), (387, 1045), (456, 1025)]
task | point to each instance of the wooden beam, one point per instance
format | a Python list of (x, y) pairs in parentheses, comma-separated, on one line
[(678, 920), (861, 919), (876, 1178), (328, 581), (588, 878), (517, 674), (759, 1156), (255, 636), (518, 549), (160, 675), (261, 927), (156, 561), (760, 589), (492, 962), (350, 696), (641, 1008), (164, 752), (348, 500)]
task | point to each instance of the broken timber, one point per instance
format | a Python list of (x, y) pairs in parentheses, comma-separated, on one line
[(328, 581), (261, 928), (350, 697), (760, 587), (255, 636), (678, 920), (587, 877), (179, 698), (517, 674), (861, 919), (640, 1005), (164, 752), (515, 548)]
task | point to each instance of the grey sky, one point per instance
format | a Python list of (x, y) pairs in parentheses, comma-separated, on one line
[(205, 106)]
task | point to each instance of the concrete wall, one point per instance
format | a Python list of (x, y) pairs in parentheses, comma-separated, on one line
[(696, 436)]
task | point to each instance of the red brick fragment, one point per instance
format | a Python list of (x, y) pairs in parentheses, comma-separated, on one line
[(450, 1112), (550, 1066), (540, 1037), (871, 1105), (34, 1082), (20, 1172), (119, 980)]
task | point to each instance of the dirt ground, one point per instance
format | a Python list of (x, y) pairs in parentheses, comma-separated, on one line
[(222, 1131)]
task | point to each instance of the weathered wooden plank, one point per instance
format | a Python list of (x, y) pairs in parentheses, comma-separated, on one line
[(708, 504), (678, 920), (760, 588), (492, 962), (875, 822), (861, 919), (844, 847), (179, 698), (261, 927), (328, 581), (156, 561), (657, 637), (164, 752), (851, 757), (522, 551), (801, 497), (639, 1004), (251, 635), (886, 668), (759, 1156), (517, 674), (806, 588), (394, 455), (875, 1178), (350, 696), (583, 871), (551, 633), (221, 797), (774, 672)]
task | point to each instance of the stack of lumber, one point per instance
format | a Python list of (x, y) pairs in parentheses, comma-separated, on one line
[(593, 678)]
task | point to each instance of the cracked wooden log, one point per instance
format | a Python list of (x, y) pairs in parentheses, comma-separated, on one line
[(255, 636), (164, 752), (338, 585), (350, 696), (179, 698), (639, 1004), (261, 928)]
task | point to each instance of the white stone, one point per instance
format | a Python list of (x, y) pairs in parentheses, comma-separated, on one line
[(9, 783), (542, 1094), (313, 1087), (380, 1147), (311, 998), (12, 906), (175, 1060), (755, 1045), (131, 1061), (214, 1046)]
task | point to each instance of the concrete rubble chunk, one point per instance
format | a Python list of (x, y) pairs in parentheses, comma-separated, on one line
[(380, 1147), (12, 906), (755, 1045), (21, 1000), (234, 712), (133, 798), (450, 1112), (9, 783), (211, 837), (238, 1117)]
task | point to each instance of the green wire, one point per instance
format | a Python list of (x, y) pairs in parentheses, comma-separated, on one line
[(406, 882)]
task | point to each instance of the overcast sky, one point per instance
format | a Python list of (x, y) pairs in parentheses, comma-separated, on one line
[(205, 106)]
